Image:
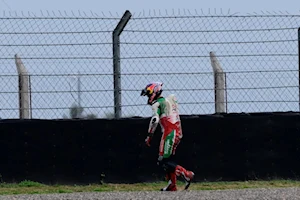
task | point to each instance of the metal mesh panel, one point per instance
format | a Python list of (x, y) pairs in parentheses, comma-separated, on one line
[(259, 56), (55, 51), (69, 61)]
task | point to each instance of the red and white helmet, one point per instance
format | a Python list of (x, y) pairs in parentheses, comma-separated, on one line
[(152, 91)]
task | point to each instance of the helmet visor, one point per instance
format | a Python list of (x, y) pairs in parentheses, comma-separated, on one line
[(145, 92)]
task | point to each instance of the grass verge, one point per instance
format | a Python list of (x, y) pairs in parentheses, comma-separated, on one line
[(30, 187)]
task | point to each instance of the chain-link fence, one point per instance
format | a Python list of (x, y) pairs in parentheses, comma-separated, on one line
[(70, 63), (68, 59), (259, 56)]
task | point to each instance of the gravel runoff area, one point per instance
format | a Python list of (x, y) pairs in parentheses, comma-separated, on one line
[(242, 194)]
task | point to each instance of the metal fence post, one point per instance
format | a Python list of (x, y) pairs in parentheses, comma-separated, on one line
[(24, 100), (116, 63), (219, 78)]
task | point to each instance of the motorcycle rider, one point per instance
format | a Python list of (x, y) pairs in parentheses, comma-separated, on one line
[(165, 113)]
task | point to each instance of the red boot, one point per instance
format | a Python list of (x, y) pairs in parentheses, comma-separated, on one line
[(186, 174), (171, 177)]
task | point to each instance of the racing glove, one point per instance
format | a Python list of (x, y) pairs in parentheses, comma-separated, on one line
[(148, 139)]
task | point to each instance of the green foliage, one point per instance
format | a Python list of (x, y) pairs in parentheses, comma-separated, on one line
[(110, 115), (31, 187), (76, 112), (91, 116), (27, 183), (64, 191)]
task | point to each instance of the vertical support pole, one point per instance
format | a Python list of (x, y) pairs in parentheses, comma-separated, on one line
[(24, 101), (116, 63), (299, 64), (30, 96), (219, 79), (226, 104), (79, 107)]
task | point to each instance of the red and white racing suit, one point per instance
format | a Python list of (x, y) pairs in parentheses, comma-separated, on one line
[(165, 112)]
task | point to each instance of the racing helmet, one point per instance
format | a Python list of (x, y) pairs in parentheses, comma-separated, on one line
[(152, 91)]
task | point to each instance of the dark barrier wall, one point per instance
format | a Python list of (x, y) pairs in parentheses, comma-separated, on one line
[(215, 147)]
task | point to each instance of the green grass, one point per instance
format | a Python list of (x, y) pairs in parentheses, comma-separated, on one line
[(31, 187)]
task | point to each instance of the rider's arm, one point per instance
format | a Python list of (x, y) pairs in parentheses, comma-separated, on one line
[(154, 119)]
